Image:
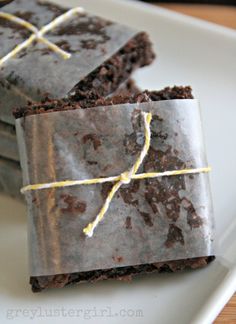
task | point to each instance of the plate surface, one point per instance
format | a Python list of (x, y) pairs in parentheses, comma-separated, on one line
[(193, 52)]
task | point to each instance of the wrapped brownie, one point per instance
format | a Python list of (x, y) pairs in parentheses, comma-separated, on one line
[(101, 56), (79, 54), (160, 218)]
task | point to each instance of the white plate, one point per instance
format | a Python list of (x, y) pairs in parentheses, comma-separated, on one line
[(191, 52)]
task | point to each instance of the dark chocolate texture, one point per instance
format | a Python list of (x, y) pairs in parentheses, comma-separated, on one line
[(123, 273), (50, 105)]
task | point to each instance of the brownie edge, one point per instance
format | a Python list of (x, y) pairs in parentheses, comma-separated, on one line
[(122, 273), (136, 53), (50, 105)]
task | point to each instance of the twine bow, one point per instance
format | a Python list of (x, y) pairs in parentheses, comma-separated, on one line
[(123, 178), (38, 35)]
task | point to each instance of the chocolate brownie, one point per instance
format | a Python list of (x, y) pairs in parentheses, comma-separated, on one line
[(40, 283), (104, 54), (126, 89), (168, 93), (123, 273)]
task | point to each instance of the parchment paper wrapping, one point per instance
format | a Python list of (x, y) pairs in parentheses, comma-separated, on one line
[(36, 71), (148, 220), (10, 171), (8, 143), (10, 178)]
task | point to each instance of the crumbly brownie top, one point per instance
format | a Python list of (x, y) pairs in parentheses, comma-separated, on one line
[(48, 105)]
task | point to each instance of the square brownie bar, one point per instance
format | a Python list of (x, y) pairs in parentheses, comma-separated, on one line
[(40, 283), (103, 56)]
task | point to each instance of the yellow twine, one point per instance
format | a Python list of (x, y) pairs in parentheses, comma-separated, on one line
[(38, 34), (119, 180)]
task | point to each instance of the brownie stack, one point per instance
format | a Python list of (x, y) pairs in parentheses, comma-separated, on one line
[(81, 119), (104, 56)]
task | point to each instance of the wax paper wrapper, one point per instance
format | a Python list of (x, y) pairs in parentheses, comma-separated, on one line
[(10, 171), (10, 178), (8, 143), (149, 220), (36, 71)]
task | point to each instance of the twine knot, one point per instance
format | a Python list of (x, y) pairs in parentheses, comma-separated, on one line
[(125, 177)]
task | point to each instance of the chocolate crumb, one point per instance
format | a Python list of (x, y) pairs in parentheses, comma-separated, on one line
[(117, 259), (193, 219), (128, 224), (127, 193), (94, 139), (174, 236), (73, 205), (147, 218)]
